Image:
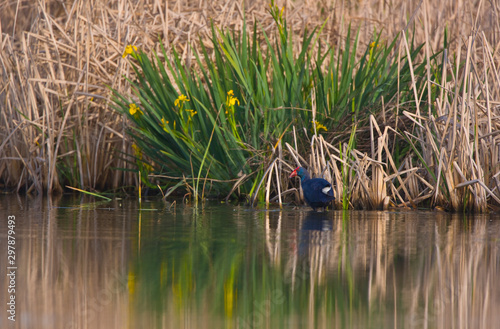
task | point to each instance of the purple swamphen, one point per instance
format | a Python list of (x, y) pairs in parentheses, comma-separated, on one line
[(318, 192)]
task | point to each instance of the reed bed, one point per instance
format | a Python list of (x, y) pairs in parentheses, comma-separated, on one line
[(59, 60), (449, 158)]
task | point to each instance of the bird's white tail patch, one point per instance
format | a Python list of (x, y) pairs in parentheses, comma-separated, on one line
[(326, 189)]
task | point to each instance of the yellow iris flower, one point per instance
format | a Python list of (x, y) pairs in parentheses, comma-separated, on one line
[(164, 124), (319, 126), (130, 49), (231, 100), (180, 100), (192, 112), (135, 110)]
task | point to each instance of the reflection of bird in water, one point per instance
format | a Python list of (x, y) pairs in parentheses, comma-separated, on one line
[(317, 221), (315, 231)]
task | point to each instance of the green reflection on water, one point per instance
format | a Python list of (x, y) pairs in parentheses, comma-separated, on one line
[(248, 268)]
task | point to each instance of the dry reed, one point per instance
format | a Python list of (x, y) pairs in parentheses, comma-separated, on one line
[(57, 57), (453, 160)]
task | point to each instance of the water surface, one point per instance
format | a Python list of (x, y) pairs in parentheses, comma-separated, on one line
[(82, 264)]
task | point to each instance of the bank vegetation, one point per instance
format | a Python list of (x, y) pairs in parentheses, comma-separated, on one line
[(395, 102)]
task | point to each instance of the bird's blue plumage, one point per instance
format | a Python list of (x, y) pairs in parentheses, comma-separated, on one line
[(318, 192)]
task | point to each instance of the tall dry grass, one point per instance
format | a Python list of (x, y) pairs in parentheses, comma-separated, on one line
[(452, 157), (58, 57)]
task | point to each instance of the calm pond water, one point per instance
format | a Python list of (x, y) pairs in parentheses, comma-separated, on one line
[(82, 264)]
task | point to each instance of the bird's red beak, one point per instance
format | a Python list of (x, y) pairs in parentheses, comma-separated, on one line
[(294, 173)]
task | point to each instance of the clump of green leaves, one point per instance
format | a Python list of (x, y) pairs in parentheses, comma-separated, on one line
[(219, 120)]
